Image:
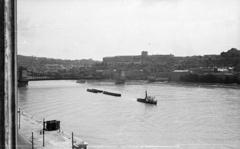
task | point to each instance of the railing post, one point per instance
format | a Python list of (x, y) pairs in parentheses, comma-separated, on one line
[(32, 141), (43, 132), (19, 118), (72, 141)]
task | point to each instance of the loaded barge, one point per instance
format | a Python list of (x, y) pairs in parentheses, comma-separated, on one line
[(104, 92), (92, 90), (112, 94)]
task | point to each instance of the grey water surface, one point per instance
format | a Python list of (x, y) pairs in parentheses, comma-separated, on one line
[(189, 116)]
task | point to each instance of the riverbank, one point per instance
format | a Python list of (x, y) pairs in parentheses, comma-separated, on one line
[(52, 139), (199, 84)]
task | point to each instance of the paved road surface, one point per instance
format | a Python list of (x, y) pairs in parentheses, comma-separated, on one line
[(23, 143)]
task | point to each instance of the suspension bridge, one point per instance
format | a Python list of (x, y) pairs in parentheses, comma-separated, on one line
[(24, 76)]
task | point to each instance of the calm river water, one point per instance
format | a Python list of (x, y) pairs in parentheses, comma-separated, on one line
[(186, 116)]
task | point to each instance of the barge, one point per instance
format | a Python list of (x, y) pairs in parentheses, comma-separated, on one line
[(112, 94)]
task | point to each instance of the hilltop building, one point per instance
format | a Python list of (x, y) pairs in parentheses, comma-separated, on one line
[(139, 59)]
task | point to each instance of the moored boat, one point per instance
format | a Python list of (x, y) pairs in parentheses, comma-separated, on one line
[(80, 81), (147, 99)]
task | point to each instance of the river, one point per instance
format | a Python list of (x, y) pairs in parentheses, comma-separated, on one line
[(189, 116)]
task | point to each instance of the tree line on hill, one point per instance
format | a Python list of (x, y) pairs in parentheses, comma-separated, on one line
[(39, 63), (231, 58)]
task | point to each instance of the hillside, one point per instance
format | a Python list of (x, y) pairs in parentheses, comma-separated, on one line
[(38, 63), (231, 58)]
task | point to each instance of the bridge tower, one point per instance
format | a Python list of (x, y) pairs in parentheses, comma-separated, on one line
[(22, 77)]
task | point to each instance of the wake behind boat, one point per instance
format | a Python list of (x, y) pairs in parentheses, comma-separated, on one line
[(147, 99)]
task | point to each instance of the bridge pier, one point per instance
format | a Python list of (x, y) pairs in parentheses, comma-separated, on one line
[(22, 77), (22, 83)]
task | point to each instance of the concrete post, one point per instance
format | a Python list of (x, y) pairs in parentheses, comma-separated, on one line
[(8, 60)]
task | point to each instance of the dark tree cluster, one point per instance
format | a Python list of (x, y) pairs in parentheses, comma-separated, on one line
[(209, 78), (231, 58)]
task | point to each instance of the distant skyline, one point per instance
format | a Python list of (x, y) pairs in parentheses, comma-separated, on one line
[(83, 29)]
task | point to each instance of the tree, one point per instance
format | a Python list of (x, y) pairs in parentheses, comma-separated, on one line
[(231, 58)]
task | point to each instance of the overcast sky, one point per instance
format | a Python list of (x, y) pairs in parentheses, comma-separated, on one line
[(83, 29)]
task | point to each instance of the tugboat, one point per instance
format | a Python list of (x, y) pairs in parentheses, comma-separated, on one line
[(147, 99)]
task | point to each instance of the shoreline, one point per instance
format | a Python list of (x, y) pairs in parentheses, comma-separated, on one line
[(142, 81), (52, 139), (219, 85), (129, 82)]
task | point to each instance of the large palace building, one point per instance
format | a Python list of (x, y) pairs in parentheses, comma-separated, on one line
[(139, 59)]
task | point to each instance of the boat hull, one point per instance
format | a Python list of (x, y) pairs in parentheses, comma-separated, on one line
[(99, 91), (112, 94), (92, 90), (144, 101)]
